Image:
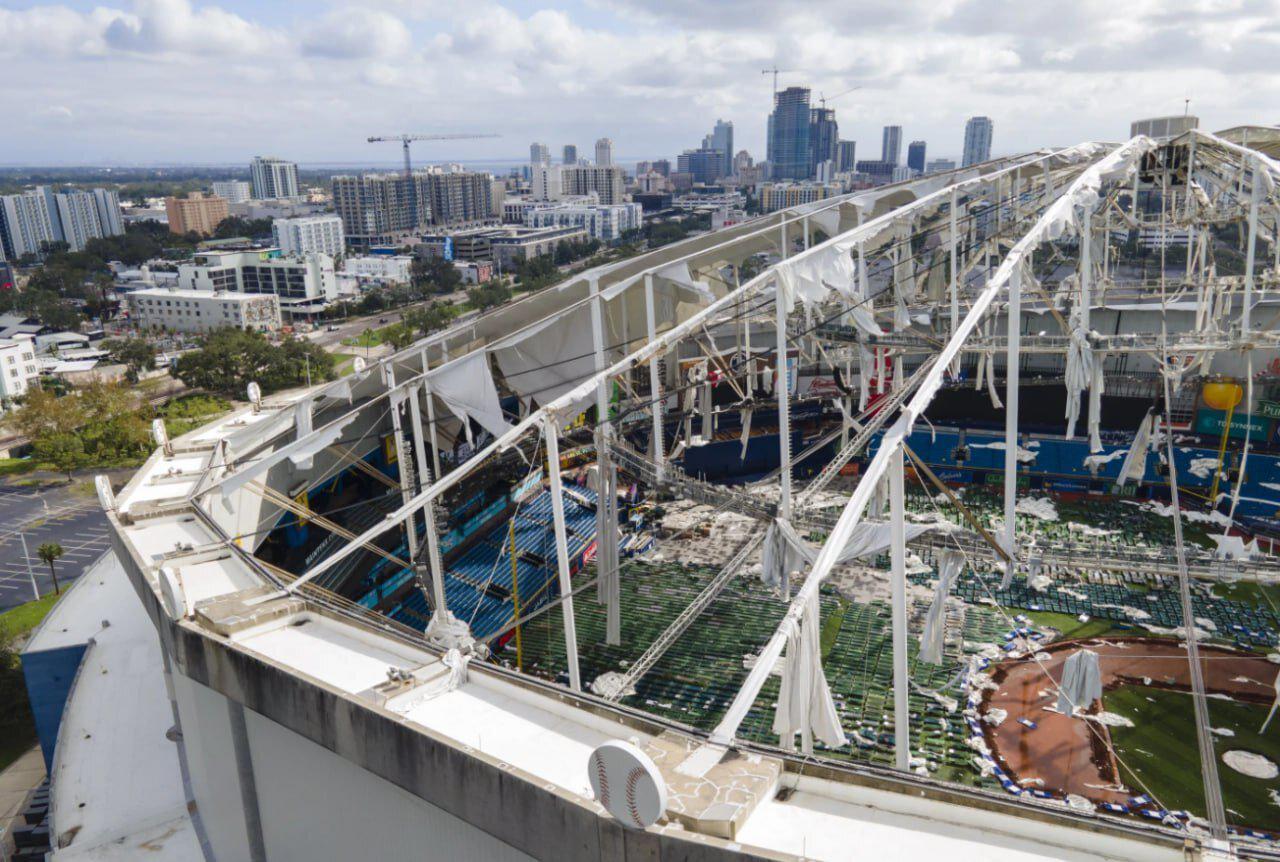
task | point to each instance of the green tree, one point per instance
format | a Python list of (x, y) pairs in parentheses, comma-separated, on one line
[(429, 318), (229, 359), (489, 295), (434, 275), (63, 451), (136, 354), (50, 552), (399, 335)]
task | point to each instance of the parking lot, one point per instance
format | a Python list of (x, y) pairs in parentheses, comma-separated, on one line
[(74, 521)]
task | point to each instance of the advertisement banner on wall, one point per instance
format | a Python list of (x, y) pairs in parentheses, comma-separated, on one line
[(1210, 421)]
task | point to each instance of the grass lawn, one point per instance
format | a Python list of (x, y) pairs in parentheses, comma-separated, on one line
[(342, 363), (1071, 627), (22, 619), (368, 338), (1161, 749)]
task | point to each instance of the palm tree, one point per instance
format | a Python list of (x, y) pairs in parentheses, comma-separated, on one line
[(49, 552)]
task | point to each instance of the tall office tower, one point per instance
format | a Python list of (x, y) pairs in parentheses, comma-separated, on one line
[(789, 134), (742, 162), (539, 154), (915, 156), (604, 153), (234, 191), (25, 224), (78, 216), (721, 138), (891, 145), (824, 138), (661, 166), (705, 165), (109, 215), (846, 160), (570, 154), (273, 178), (977, 141)]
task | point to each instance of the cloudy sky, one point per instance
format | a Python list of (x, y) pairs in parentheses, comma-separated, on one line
[(138, 81)]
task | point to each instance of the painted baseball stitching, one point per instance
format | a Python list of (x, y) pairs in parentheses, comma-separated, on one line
[(633, 777), (602, 779)]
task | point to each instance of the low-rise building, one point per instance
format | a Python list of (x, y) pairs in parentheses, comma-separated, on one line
[(303, 284), (203, 311), (779, 196), (307, 235), (18, 369), (505, 246), (474, 271), (234, 191), (380, 268), (600, 221)]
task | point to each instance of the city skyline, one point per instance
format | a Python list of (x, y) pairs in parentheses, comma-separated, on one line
[(641, 74)]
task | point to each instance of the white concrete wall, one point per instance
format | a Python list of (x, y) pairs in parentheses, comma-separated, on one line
[(305, 789)]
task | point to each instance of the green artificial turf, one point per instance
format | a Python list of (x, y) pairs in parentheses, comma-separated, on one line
[(1162, 753), (1072, 628)]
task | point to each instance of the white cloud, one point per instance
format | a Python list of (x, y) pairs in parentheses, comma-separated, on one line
[(166, 79)]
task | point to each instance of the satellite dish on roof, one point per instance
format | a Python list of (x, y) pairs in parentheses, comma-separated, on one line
[(255, 395), (358, 364), (627, 783)]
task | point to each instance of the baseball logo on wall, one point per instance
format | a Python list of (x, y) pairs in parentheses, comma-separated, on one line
[(628, 784)]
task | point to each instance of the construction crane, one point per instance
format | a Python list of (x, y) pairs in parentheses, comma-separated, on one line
[(822, 99), (404, 139), (774, 72)]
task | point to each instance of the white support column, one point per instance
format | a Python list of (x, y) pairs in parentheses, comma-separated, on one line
[(655, 382), (780, 390), (1255, 194), (549, 431), (782, 235), (805, 224), (1086, 268), (606, 523), (955, 277), (898, 560), (1014, 314), (402, 457)]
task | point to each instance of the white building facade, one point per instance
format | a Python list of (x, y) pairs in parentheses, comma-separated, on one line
[(273, 178), (303, 284), (313, 234), (202, 311), (383, 268), (235, 191), (18, 369), (602, 222)]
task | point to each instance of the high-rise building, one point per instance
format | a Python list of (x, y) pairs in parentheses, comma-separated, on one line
[(977, 141), (661, 166), (309, 234), (604, 153), (234, 191), (273, 178), (777, 196), (77, 214), (789, 134), (26, 224), (570, 154), (824, 139), (196, 213), (546, 184), (915, 156), (847, 158), (462, 197), (721, 138), (109, 215), (375, 208), (742, 163), (938, 166), (609, 183), (539, 154), (704, 165), (891, 145)]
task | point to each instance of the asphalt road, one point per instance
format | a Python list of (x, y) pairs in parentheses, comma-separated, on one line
[(50, 515)]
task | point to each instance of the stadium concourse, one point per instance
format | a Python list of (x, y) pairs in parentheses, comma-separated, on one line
[(859, 525)]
